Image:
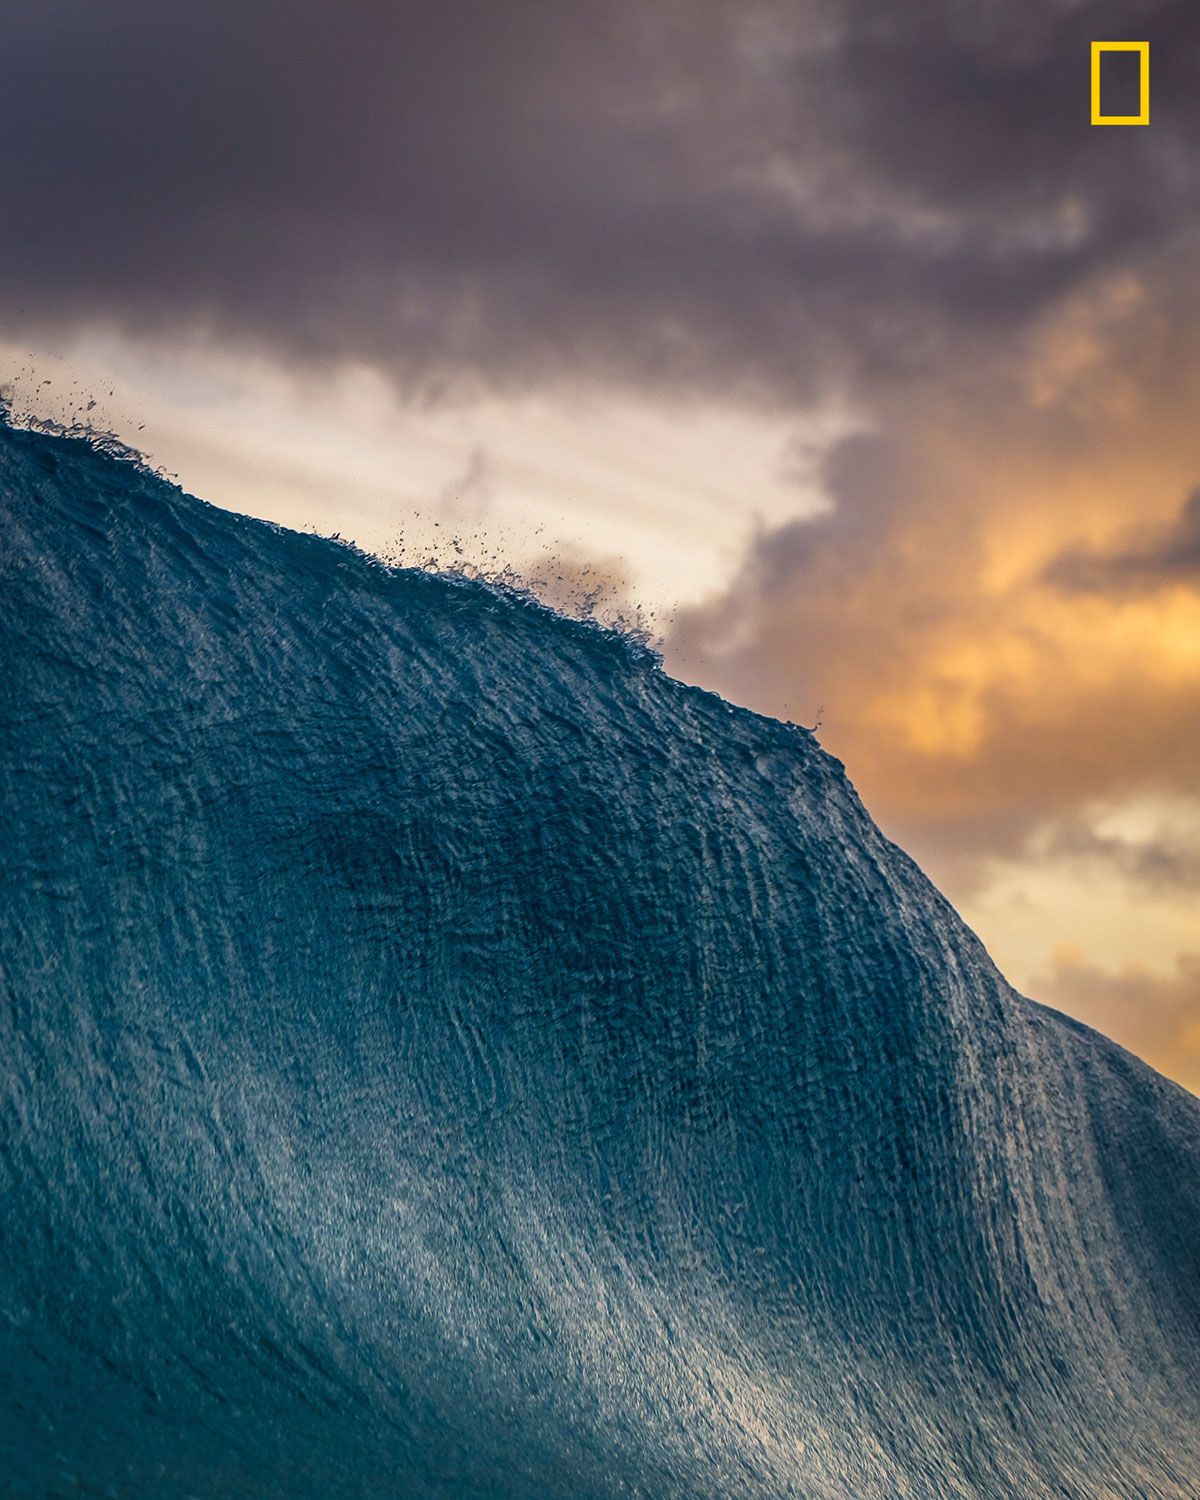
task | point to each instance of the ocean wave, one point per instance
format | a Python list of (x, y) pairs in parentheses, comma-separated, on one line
[(445, 1056)]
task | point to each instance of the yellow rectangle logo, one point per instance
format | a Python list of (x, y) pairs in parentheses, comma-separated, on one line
[(1143, 51)]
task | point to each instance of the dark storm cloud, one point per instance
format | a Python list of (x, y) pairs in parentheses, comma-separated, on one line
[(1150, 558), (772, 195)]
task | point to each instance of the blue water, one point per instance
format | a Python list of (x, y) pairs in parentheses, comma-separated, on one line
[(444, 1056)]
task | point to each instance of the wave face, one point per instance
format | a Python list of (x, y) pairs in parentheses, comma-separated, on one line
[(444, 1056)]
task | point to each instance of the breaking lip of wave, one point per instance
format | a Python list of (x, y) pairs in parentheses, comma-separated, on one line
[(587, 598), (445, 1056)]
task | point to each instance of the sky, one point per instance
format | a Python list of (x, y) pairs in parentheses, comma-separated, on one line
[(831, 339)]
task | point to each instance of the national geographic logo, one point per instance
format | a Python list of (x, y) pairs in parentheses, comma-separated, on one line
[(1114, 82)]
